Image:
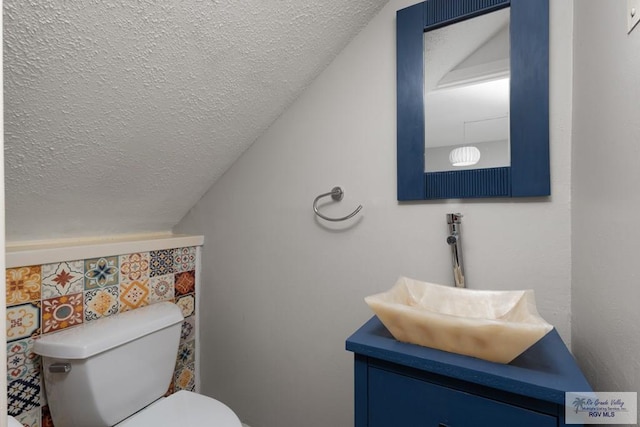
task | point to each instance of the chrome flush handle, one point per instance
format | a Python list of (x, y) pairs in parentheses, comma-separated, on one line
[(60, 368)]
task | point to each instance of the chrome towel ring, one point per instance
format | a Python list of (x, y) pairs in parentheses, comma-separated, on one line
[(336, 194)]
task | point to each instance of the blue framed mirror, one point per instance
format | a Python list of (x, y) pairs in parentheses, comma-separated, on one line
[(423, 77)]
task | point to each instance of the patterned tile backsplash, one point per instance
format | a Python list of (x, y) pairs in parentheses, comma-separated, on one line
[(43, 299)]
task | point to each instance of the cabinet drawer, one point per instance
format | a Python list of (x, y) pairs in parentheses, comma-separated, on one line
[(400, 401)]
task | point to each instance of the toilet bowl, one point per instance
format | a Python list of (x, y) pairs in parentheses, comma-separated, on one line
[(184, 408), (12, 422), (115, 371)]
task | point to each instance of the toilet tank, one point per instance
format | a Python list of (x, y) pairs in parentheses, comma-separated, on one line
[(119, 364)]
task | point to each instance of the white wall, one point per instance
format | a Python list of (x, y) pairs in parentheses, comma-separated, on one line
[(606, 199), (282, 290)]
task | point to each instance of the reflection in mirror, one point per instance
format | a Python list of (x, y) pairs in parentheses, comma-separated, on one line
[(466, 85)]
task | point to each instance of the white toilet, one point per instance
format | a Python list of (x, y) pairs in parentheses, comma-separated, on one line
[(115, 371)]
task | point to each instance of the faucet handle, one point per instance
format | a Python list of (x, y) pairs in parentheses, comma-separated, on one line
[(454, 218)]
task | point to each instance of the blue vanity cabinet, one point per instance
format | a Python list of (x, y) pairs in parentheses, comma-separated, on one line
[(404, 385)]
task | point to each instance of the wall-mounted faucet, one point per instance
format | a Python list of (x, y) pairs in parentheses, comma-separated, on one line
[(455, 241)]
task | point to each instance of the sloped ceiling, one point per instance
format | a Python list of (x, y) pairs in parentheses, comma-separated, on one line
[(120, 114)]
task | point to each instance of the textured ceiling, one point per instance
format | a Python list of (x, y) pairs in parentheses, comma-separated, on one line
[(120, 114)]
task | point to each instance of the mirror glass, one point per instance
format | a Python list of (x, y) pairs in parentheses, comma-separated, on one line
[(466, 94)]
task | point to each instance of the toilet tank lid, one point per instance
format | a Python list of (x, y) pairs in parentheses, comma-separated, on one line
[(100, 335)]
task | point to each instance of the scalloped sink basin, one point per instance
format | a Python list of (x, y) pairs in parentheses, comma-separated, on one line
[(492, 325)]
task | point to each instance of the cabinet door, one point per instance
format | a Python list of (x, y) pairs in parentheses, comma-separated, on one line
[(400, 401)]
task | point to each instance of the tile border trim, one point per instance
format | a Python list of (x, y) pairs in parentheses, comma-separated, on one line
[(58, 251)]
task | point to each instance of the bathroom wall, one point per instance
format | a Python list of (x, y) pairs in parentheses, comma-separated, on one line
[(606, 200), (45, 298), (284, 289)]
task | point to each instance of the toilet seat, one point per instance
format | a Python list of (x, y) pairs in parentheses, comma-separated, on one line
[(184, 409)]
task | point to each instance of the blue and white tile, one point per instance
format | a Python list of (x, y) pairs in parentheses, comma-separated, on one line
[(186, 353), (23, 394), (101, 272), (161, 262), (188, 331)]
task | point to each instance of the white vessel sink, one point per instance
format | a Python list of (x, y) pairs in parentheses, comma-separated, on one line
[(491, 325)]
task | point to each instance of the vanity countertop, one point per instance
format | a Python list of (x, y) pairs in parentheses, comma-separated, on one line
[(546, 371)]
